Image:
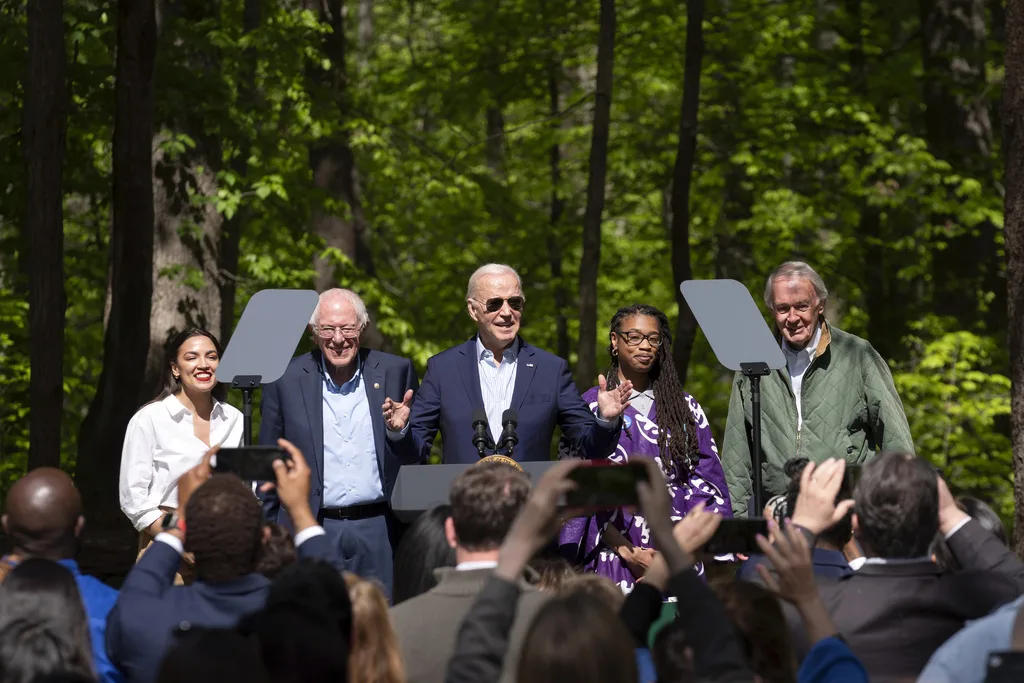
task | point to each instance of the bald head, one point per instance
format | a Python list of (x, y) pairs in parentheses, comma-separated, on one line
[(43, 515)]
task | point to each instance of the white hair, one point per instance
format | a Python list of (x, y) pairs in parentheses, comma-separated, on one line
[(362, 317), (492, 269), (795, 269)]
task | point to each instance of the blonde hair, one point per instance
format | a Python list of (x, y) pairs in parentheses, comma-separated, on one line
[(374, 656)]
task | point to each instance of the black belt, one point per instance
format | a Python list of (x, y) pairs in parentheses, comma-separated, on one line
[(355, 511)]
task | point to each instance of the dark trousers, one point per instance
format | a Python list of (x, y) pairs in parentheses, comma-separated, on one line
[(367, 546)]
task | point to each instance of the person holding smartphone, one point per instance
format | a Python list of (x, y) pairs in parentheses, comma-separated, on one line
[(169, 435), (661, 422)]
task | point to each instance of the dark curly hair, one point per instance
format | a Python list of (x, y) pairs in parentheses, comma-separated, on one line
[(674, 416), (225, 529)]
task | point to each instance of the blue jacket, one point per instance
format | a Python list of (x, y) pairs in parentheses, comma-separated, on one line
[(99, 599), (151, 608), (827, 564), (544, 395), (292, 408)]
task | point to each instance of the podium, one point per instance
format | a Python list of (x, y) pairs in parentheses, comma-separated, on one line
[(421, 487)]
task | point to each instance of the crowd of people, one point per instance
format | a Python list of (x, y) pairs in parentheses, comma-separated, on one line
[(311, 577)]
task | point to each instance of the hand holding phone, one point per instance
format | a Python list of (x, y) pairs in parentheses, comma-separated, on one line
[(737, 536), (250, 463), (605, 485)]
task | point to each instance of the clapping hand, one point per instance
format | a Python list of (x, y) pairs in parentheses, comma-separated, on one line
[(396, 415), (611, 403)]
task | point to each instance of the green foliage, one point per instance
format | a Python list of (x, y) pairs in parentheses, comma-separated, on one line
[(796, 147)]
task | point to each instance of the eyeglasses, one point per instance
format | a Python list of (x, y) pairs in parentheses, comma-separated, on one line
[(495, 304), (637, 338), (328, 332)]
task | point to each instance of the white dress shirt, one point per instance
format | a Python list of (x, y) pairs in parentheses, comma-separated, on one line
[(497, 382), (160, 446), (798, 362)]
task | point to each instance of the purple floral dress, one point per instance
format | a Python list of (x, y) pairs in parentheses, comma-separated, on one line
[(579, 540)]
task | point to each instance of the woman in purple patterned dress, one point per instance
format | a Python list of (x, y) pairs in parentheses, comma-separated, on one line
[(662, 422)]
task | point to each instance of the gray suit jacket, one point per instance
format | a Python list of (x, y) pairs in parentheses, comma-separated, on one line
[(428, 625)]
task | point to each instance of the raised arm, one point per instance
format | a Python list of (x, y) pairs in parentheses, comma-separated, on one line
[(413, 441)]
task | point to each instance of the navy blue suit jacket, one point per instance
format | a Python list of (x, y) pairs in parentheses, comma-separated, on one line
[(292, 408), (150, 608), (826, 564), (544, 395)]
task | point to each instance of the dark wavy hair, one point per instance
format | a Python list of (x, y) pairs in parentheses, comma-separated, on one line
[(43, 627), (225, 529), (168, 384), (423, 548), (674, 416)]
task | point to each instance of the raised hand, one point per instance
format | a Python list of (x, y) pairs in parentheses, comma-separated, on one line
[(396, 415), (816, 507), (790, 556), (611, 403)]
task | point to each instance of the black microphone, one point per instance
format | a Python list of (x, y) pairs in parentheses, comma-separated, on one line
[(481, 433), (509, 422)]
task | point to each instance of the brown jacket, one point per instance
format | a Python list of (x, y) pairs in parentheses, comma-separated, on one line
[(428, 624)]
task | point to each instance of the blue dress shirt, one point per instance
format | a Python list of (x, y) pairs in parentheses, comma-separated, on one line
[(351, 471), (98, 599)]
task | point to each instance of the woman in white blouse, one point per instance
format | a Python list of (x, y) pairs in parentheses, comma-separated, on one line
[(170, 434)]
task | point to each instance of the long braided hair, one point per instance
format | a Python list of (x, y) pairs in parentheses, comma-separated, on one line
[(673, 414)]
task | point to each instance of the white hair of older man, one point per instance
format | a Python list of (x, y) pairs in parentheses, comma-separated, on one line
[(791, 270), (492, 269), (362, 317)]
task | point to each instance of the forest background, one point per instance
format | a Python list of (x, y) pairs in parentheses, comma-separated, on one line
[(162, 161)]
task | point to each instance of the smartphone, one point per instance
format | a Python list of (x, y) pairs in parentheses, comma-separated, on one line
[(1005, 667), (604, 485), (737, 536), (250, 463)]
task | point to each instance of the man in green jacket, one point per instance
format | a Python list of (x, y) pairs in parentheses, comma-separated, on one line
[(834, 399)]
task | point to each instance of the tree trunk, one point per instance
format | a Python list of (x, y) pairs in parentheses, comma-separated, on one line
[(228, 250), (1013, 150), (555, 223), (682, 176), (586, 364), (126, 340), (958, 129), (334, 168), (44, 133), (185, 269)]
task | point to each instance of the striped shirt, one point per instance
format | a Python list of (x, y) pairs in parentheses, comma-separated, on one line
[(497, 382)]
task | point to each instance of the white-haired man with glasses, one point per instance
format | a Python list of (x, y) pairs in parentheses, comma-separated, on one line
[(329, 404), (834, 399), (497, 370)]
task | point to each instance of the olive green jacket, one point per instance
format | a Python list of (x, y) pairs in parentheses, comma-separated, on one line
[(850, 410)]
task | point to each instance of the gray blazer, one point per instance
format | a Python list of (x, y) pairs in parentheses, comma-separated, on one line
[(427, 626)]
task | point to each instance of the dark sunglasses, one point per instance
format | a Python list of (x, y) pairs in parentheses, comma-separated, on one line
[(495, 304)]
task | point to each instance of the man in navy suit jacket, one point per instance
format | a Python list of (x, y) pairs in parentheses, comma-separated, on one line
[(495, 371), (329, 403), (224, 532)]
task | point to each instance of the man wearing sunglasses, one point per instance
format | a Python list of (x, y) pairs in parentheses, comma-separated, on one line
[(495, 371)]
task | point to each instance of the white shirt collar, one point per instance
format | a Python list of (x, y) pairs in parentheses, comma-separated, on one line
[(810, 349), (510, 353), (177, 409), (480, 564)]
